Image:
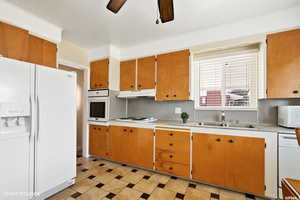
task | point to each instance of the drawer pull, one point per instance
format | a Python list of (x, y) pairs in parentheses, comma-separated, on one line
[(99, 129), (131, 131), (167, 95), (171, 156), (218, 140), (124, 130), (171, 144), (295, 92), (174, 95), (95, 128), (170, 168), (131, 86), (171, 134), (139, 85), (230, 141)]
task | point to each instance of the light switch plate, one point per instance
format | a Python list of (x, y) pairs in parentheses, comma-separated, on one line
[(178, 110)]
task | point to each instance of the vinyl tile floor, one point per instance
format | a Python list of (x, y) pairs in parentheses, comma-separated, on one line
[(100, 179)]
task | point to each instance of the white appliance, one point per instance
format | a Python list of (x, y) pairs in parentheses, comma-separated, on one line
[(289, 116), (103, 105), (137, 93), (289, 158), (137, 119), (37, 130)]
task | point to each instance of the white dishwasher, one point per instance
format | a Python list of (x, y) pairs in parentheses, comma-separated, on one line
[(289, 158)]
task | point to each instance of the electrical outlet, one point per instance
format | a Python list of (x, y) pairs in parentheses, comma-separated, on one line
[(178, 110)]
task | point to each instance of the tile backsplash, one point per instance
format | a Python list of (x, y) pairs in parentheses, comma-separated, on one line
[(267, 110)]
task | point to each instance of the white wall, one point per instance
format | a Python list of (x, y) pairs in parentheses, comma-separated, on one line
[(277, 21), (15, 16), (104, 52)]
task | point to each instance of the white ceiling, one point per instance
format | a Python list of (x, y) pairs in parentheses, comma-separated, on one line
[(88, 23)]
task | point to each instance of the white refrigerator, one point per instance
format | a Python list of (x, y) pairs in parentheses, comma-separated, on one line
[(37, 130)]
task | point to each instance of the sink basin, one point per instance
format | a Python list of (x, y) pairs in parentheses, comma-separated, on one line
[(228, 125)]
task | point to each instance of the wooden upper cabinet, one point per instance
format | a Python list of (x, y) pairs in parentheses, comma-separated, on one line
[(99, 74), (2, 51), (173, 76), (35, 50), (224, 160), (14, 42), (49, 54), (128, 75), (283, 61), (146, 73)]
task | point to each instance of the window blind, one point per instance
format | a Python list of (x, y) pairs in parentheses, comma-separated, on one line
[(228, 80)]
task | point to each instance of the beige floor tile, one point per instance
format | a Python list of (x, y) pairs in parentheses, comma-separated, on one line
[(111, 165), (208, 188), (194, 194), (128, 194), (177, 185), (122, 171), (98, 171), (115, 186), (132, 177), (144, 172), (160, 178), (105, 178), (83, 185), (228, 195), (93, 194), (162, 194), (145, 186), (62, 195)]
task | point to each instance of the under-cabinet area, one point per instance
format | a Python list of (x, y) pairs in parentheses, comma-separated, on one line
[(240, 160)]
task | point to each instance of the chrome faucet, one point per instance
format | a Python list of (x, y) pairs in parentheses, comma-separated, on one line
[(223, 118)]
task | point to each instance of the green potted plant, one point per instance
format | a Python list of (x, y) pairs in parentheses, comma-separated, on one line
[(184, 117)]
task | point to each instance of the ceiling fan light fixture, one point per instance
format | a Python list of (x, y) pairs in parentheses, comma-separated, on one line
[(166, 10), (115, 5)]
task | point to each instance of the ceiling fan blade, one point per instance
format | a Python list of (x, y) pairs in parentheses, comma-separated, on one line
[(166, 10), (115, 5)]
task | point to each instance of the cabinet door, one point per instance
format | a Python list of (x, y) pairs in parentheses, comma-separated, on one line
[(102, 139), (180, 75), (164, 67), (93, 144), (128, 75), (2, 51), (208, 158), (283, 61), (143, 148), (99, 74), (35, 50), (245, 164), (173, 76), (146, 73), (119, 143), (49, 54), (15, 42)]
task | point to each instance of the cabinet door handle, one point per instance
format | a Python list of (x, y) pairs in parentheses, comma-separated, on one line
[(170, 168), (131, 86), (131, 131), (171, 144), (167, 95), (124, 130), (171, 156), (95, 128), (171, 134), (230, 141), (295, 91), (218, 140), (139, 85), (174, 95), (99, 129)]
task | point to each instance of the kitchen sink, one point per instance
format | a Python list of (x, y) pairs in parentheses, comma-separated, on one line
[(228, 125)]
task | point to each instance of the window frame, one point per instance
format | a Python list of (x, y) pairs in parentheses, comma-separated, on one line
[(196, 82)]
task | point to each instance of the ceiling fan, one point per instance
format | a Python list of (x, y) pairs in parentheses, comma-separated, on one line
[(166, 8)]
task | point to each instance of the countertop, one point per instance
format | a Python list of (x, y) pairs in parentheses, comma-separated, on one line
[(192, 124)]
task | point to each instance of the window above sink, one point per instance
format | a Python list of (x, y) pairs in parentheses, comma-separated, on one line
[(227, 79)]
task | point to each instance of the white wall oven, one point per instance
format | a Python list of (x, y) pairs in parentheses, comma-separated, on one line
[(98, 105)]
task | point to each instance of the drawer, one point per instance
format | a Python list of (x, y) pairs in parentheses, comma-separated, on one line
[(182, 170), (178, 157), (172, 145), (177, 135)]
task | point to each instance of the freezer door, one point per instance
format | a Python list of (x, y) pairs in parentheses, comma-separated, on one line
[(56, 128)]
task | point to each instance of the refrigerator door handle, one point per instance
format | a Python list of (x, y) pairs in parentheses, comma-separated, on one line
[(38, 118)]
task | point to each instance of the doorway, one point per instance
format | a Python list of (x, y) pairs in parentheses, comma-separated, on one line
[(80, 103)]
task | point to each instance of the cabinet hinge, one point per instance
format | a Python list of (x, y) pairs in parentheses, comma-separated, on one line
[(265, 187), (266, 91), (191, 171), (265, 145)]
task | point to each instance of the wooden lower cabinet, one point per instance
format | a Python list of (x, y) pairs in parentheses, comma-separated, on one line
[(230, 161), (99, 141), (172, 152), (132, 145)]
